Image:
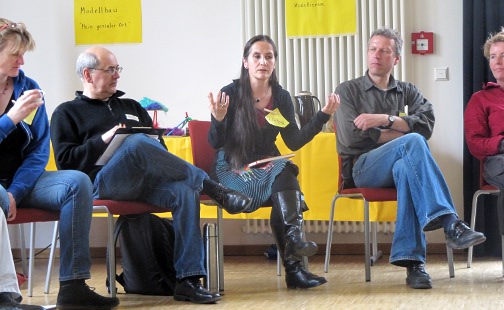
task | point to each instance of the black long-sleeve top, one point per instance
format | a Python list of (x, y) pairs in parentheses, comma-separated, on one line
[(293, 137)]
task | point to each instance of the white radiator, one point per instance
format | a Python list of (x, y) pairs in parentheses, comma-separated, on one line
[(343, 227), (320, 64)]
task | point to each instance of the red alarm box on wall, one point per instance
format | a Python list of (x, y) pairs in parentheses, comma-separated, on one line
[(422, 42)]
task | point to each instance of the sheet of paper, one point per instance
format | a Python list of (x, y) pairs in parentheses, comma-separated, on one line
[(117, 140)]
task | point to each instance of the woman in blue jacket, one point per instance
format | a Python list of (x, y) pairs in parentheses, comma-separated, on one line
[(24, 153)]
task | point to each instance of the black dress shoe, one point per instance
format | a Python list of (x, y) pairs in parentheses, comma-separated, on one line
[(232, 201), (192, 290), (16, 306), (11, 301), (77, 295), (417, 277), (460, 236), (10, 297), (297, 277)]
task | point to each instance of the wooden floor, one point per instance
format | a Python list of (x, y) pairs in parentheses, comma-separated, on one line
[(251, 283)]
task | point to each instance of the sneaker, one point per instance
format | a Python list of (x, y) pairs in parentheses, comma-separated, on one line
[(78, 295), (460, 236)]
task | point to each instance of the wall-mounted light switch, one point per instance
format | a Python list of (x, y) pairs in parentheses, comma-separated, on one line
[(441, 74)]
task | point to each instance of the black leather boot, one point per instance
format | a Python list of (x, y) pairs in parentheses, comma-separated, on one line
[(232, 201), (287, 212), (296, 276)]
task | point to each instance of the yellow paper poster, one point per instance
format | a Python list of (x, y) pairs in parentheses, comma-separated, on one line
[(107, 21), (276, 118), (310, 18)]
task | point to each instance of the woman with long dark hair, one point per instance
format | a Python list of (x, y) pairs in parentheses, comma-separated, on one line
[(242, 133)]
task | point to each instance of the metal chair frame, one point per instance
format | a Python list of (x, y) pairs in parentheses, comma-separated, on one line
[(485, 189), (32, 216), (370, 229)]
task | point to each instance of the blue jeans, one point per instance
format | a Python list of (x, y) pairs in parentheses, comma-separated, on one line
[(422, 192), (142, 170), (71, 193)]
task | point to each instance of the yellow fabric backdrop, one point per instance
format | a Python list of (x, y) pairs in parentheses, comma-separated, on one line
[(318, 166), (318, 178)]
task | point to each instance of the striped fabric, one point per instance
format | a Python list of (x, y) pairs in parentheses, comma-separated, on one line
[(254, 182)]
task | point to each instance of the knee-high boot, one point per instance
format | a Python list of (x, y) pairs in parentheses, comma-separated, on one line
[(287, 212), (286, 220)]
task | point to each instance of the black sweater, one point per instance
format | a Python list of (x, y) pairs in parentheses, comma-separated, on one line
[(77, 127)]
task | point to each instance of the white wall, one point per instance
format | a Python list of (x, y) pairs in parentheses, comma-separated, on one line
[(189, 48), (447, 96), (192, 47)]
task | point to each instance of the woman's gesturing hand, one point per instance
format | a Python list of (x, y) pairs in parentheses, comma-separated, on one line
[(332, 104), (218, 105)]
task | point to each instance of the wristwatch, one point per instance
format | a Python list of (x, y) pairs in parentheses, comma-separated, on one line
[(391, 119)]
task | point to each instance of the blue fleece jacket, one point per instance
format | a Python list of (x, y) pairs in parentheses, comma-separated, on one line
[(35, 152)]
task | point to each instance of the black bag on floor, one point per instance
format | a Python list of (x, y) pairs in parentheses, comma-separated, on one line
[(147, 254)]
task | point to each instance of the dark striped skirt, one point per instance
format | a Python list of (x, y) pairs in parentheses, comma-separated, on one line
[(254, 182)]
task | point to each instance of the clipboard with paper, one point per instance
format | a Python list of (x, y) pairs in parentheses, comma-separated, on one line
[(123, 133)]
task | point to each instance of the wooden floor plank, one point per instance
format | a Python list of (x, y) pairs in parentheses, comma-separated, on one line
[(252, 283)]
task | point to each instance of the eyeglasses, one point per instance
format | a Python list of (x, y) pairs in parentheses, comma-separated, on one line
[(5, 26), (111, 70)]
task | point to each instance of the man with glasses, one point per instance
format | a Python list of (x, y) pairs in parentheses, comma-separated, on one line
[(141, 169), (382, 131)]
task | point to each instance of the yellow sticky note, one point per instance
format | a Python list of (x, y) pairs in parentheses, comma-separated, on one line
[(29, 118), (276, 118)]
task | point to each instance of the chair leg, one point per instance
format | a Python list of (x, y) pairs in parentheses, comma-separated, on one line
[(220, 252), (473, 225), (330, 235), (279, 264), (367, 251), (377, 254), (31, 259), (111, 254), (50, 264), (23, 249), (305, 258), (449, 254), (502, 244)]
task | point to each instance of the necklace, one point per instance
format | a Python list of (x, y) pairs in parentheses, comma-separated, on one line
[(259, 99), (7, 85)]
